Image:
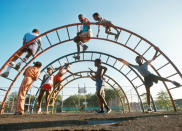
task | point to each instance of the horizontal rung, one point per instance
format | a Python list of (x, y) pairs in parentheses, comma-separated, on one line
[(134, 78), (139, 86), (163, 66)]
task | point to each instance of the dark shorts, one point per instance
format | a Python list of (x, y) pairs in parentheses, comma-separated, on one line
[(148, 81), (99, 84)]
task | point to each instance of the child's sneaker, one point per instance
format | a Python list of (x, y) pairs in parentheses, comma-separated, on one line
[(85, 47), (5, 74), (176, 84), (17, 67), (77, 57), (108, 111)]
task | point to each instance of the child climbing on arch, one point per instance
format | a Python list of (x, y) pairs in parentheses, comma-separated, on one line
[(107, 25), (58, 77), (83, 35), (149, 78), (46, 86), (30, 50), (98, 77)]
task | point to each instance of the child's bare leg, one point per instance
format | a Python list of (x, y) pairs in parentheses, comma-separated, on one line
[(40, 99), (107, 31), (47, 98), (164, 79), (101, 105), (148, 95), (103, 101)]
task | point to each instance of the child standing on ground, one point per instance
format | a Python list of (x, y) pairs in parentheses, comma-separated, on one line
[(46, 86), (31, 74), (98, 77)]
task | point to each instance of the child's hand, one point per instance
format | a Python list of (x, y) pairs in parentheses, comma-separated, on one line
[(156, 48)]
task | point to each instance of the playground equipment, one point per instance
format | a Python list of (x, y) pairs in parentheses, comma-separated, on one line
[(132, 47)]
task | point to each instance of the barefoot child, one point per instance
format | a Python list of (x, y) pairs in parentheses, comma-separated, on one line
[(149, 78), (107, 25), (83, 36), (98, 77), (46, 86), (30, 50), (31, 74)]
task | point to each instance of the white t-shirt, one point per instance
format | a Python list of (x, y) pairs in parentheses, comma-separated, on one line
[(30, 36), (143, 69), (49, 79)]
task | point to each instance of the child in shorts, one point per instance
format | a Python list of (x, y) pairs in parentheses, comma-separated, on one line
[(83, 36), (149, 78), (46, 86), (98, 77), (30, 50), (107, 24)]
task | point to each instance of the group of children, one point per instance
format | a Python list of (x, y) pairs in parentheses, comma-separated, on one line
[(51, 81), (85, 33)]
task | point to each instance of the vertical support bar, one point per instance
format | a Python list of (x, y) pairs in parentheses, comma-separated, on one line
[(48, 40), (146, 51), (128, 39), (137, 44), (68, 33), (58, 36)]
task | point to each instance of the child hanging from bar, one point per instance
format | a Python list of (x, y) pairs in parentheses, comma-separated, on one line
[(31, 50), (107, 25), (46, 86), (31, 74), (83, 35), (149, 78), (98, 77)]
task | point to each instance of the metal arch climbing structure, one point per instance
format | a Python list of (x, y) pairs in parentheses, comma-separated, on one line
[(89, 58), (84, 74), (122, 43)]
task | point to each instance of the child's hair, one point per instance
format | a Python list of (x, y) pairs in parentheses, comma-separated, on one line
[(37, 64), (95, 14), (98, 61), (35, 30), (80, 15), (49, 68), (139, 57)]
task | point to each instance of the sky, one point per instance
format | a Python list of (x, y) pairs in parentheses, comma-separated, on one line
[(158, 21)]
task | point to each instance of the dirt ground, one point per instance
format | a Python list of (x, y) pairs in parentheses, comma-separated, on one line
[(94, 122)]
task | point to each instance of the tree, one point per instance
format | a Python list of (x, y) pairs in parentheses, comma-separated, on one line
[(163, 101)]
